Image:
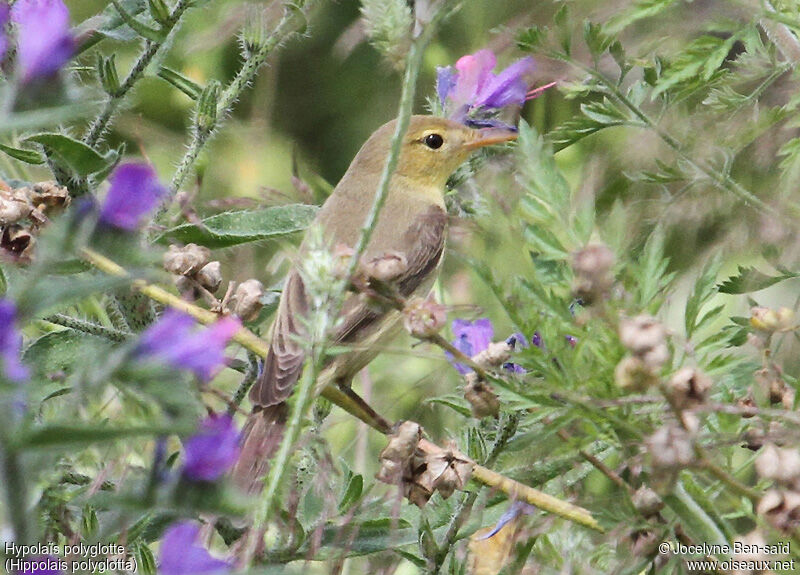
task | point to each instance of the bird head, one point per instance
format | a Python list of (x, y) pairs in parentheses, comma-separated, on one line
[(432, 148)]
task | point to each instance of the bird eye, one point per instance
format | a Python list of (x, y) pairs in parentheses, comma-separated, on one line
[(433, 141)]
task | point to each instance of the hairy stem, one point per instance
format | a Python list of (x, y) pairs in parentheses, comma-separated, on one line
[(287, 25), (100, 124), (87, 327)]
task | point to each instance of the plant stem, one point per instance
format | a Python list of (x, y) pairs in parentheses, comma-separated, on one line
[(87, 327), (16, 493), (253, 62), (100, 125)]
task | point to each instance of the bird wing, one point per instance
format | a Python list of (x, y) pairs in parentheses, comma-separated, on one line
[(423, 245)]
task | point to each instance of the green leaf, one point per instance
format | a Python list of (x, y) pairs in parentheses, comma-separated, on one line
[(44, 117), (352, 492), (64, 435), (701, 59), (698, 525), (74, 155), (27, 156), (145, 560), (234, 228), (704, 290), (749, 279), (529, 39), (156, 35), (639, 11), (181, 82), (109, 24), (62, 351)]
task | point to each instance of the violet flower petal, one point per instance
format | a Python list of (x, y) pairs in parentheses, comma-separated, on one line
[(213, 450), (516, 509), (11, 343), (474, 71), (45, 42), (508, 87), (135, 192), (5, 14), (445, 82), (41, 565), (181, 555), (471, 338), (174, 340)]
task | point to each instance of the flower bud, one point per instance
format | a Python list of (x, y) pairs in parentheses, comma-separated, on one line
[(247, 299), (210, 276), (13, 208), (481, 397), (159, 11), (647, 502), (186, 260), (206, 114), (423, 317), (107, 72), (50, 194), (592, 267), (645, 337), (689, 387), (779, 464), (632, 374), (385, 268), (495, 354), (770, 320), (781, 509), (670, 447)]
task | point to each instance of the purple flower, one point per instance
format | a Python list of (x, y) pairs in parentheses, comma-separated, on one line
[(135, 192), (181, 555), (471, 338), (5, 12), (174, 340), (213, 450), (11, 343), (516, 509), (45, 42), (473, 93)]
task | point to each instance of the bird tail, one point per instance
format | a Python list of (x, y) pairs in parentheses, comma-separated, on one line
[(262, 435)]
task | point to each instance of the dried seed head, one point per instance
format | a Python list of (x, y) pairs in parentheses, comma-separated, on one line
[(18, 241), (633, 374), (771, 384), (689, 387), (385, 268), (445, 471), (403, 442), (645, 337), (754, 438), (423, 317), (50, 194), (771, 320), (210, 276), (247, 299), (670, 447), (592, 267), (779, 464), (186, 260), (13, 207), (647, 502), (781, 509), (481, 397)]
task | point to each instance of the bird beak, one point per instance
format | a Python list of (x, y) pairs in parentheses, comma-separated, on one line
[(490, 136)]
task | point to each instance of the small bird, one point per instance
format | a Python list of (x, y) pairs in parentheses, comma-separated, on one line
[(413, 222)]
